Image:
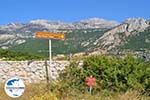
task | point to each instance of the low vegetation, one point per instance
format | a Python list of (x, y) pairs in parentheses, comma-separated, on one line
[(125, 78), (113, 75), (15, 56), (40, 92)]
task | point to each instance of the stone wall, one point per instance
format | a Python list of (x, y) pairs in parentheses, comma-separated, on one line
[(30, 71)]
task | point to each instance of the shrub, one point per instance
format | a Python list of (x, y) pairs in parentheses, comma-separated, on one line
[(13, 55), (111, 73)]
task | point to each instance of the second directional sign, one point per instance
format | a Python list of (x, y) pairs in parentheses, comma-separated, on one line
[(50, 35)]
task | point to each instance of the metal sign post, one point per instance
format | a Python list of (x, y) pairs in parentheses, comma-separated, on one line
[(50, 56), (50, 52), (50, 35)]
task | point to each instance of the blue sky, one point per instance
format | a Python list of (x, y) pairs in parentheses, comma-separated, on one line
[(72, 10)]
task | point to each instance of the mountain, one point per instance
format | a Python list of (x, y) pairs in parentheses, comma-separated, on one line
[(89, 35), (132, 36), (116, 36), (18, 33), (95, 23), (41, 24)]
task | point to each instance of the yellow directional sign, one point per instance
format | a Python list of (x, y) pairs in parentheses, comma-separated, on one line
[(50, 35)]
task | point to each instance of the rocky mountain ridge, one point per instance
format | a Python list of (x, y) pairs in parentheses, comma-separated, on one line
[(13, 32), (84, 36), (56, 25), (117, 35)]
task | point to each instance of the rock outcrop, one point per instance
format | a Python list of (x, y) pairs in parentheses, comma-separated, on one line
[(97, 23), (115, 36)]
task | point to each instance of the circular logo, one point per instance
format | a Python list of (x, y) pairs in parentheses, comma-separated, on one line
[(14, 87)]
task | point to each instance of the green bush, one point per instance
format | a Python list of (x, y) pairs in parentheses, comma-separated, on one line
[(111, 73), (13, 55)]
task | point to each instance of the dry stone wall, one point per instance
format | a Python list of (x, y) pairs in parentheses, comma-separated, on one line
[(30, 71)]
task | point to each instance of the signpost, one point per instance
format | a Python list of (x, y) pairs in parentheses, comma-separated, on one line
[(50, 35)]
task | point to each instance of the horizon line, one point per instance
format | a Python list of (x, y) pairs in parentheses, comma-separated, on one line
[(65, 21)]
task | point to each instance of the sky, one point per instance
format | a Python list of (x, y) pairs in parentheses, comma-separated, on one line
[(72, 10)]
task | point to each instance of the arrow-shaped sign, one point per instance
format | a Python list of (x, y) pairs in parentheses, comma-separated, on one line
[(50, 35)]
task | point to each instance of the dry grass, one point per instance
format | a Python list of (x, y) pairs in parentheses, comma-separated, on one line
[(32, 92), (130, 95), (41, 92)]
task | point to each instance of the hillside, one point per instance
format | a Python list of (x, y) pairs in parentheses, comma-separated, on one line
[(139, 41), (118, 35), (76, 41), (89, 35)]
